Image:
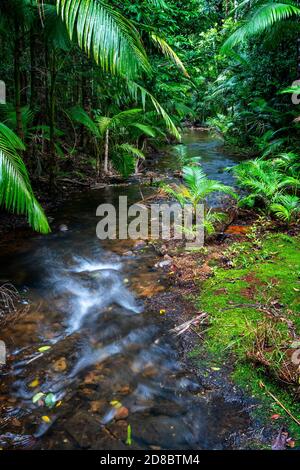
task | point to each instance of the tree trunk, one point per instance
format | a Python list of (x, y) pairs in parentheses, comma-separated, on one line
[(298, 59), (17, 79), (52, 115), (106, 150), (33, 72)]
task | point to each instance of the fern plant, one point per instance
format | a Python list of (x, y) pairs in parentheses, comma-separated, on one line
[(16, 194), (286, 207), (269, 186), (195, 190)]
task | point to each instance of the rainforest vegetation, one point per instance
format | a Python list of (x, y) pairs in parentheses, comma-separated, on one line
[(93, 91), (91, 87)]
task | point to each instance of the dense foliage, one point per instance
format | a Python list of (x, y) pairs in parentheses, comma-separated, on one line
[(92, 85)]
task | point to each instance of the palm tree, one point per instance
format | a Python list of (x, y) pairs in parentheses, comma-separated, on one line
[(105, 35), (107, 131), (16, 194)]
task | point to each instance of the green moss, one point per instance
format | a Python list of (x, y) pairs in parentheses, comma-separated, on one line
[(249, 378), (264, 273)]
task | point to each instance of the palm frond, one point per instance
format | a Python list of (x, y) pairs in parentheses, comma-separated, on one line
[(106, 35), (145, 129), (79, 115), (168, 52), (16, 194), (286, 207), (136, 89), (130, 150), (264, 17)]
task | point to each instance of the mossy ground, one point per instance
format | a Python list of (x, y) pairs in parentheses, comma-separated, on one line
[(263, 273)]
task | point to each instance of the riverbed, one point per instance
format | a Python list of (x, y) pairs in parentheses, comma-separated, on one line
[(111, 366)]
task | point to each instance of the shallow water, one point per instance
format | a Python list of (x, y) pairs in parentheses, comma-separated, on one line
[(87, 302)]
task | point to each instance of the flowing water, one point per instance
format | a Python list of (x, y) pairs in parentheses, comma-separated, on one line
[(107, 360)]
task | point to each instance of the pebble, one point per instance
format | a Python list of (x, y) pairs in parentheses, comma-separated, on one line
[(163, 264)]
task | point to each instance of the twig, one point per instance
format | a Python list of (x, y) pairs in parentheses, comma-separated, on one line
[(34, 358), (279, 403), (186, 325), (69, 180)]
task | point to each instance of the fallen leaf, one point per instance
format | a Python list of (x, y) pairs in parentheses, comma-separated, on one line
[(50, 400), (34, 383), (291, 443), (162, 311), (116, 404), (215, 368), (46, 419), (37, 397), (58, 404), (275, 416), (44, 348), (122, 413)]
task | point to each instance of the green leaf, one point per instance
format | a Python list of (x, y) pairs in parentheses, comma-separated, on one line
[(44, 348), (37, 397), (129, 438)]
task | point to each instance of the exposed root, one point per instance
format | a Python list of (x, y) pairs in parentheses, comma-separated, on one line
[(9, 311)]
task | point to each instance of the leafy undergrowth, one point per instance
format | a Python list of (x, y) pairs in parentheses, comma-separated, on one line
[(254, 309)]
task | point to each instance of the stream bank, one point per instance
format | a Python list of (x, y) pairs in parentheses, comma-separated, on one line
[(95, 352)]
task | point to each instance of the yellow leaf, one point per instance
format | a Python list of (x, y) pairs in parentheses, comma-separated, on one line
[(162, 311), (46, 419), (116, 404), (58, 404), (44, 348), (34, 383)]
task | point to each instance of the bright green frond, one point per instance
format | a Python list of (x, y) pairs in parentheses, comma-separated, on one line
[(15, 190), (169, 52), (106, 35), (261, 19)]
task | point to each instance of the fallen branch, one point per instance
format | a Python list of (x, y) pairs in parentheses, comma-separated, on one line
[(179, 330), (262, 385), (71, 181)]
